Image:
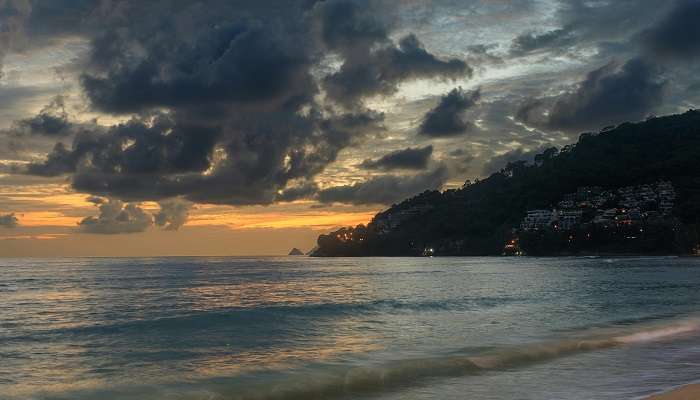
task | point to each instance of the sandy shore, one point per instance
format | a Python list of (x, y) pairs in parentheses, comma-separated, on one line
[(689, 392)]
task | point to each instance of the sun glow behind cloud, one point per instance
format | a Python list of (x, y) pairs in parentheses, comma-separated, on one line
[(278, 217)]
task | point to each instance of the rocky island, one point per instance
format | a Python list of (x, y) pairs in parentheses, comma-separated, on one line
[(295, 252)]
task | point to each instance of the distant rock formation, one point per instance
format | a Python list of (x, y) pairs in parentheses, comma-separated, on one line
[(296, 252), (313, 251)]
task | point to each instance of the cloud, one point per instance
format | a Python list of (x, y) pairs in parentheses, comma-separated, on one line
[(409, 158), (677, 35), (446, 119), (235, 63), (458, 161), (482, 54), (59, 161), (608, 95), (498, 162), (372, 64), (117, 217), (305, 190), (13, 97), (12, 16), (385, 189), (52, 120), (156, 158), (8, 221), (594, 30), (96, 200), (531, 42), (249, 102), (382, 70), (531, 111), (224, 103), (349, 26), (173, 214)]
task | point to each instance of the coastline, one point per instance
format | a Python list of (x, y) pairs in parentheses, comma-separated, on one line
[(687, 392), (552, 255)]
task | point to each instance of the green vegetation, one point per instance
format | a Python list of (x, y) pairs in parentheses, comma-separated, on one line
[(479, 218)]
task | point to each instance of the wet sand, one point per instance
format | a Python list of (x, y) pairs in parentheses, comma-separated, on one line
[(688, 392)]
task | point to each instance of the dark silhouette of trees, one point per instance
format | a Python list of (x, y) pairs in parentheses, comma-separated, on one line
[(478, 218)]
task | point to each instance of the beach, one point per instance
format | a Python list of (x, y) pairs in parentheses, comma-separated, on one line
[(688, 392)]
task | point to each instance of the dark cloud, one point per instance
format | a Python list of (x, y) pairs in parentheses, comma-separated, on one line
[(609, 95), (158, 157), (225, 101), (458, 161), (606, 18), (531, 111), (305, 190), (446, 119), (677, 35), (173, 214), (28, 137), (52, 120), (117, 217), (458, 153), (95, 199), (385, 189), (382, 70), (12, 16), (531, 42), (410, 158), (350, 26), (498, 162), (8, 221), (60, 161), (590, 29), (236, 63), (482, 54), (52, 20), (140, 146), (372, 63)]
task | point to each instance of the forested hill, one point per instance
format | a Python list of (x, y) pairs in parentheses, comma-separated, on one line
[(480, 217)]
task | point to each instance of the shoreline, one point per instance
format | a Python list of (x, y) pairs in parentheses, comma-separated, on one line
[(561, 255), (687, 392)]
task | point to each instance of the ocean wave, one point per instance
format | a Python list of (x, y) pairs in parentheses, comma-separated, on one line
[(239, 318), (402, 373), (338, 382)]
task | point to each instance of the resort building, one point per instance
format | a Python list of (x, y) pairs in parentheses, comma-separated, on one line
[(537, 219)]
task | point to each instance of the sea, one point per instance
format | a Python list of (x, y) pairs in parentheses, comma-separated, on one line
[(288, 328)]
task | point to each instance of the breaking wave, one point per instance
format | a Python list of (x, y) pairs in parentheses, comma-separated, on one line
[(403, 373), (336, 381)]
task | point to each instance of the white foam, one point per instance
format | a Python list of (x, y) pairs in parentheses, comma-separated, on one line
[(660, 333)]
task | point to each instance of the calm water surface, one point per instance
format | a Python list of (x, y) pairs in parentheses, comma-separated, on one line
[(375, 328)]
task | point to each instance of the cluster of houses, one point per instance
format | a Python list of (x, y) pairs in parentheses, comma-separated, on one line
[(387, 221), (591, 204)]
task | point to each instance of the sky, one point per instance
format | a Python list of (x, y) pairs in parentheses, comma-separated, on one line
[(218, 127)]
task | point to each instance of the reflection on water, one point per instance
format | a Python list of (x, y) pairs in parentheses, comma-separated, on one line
[(276, 293), (216, 328), (284, 358)]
